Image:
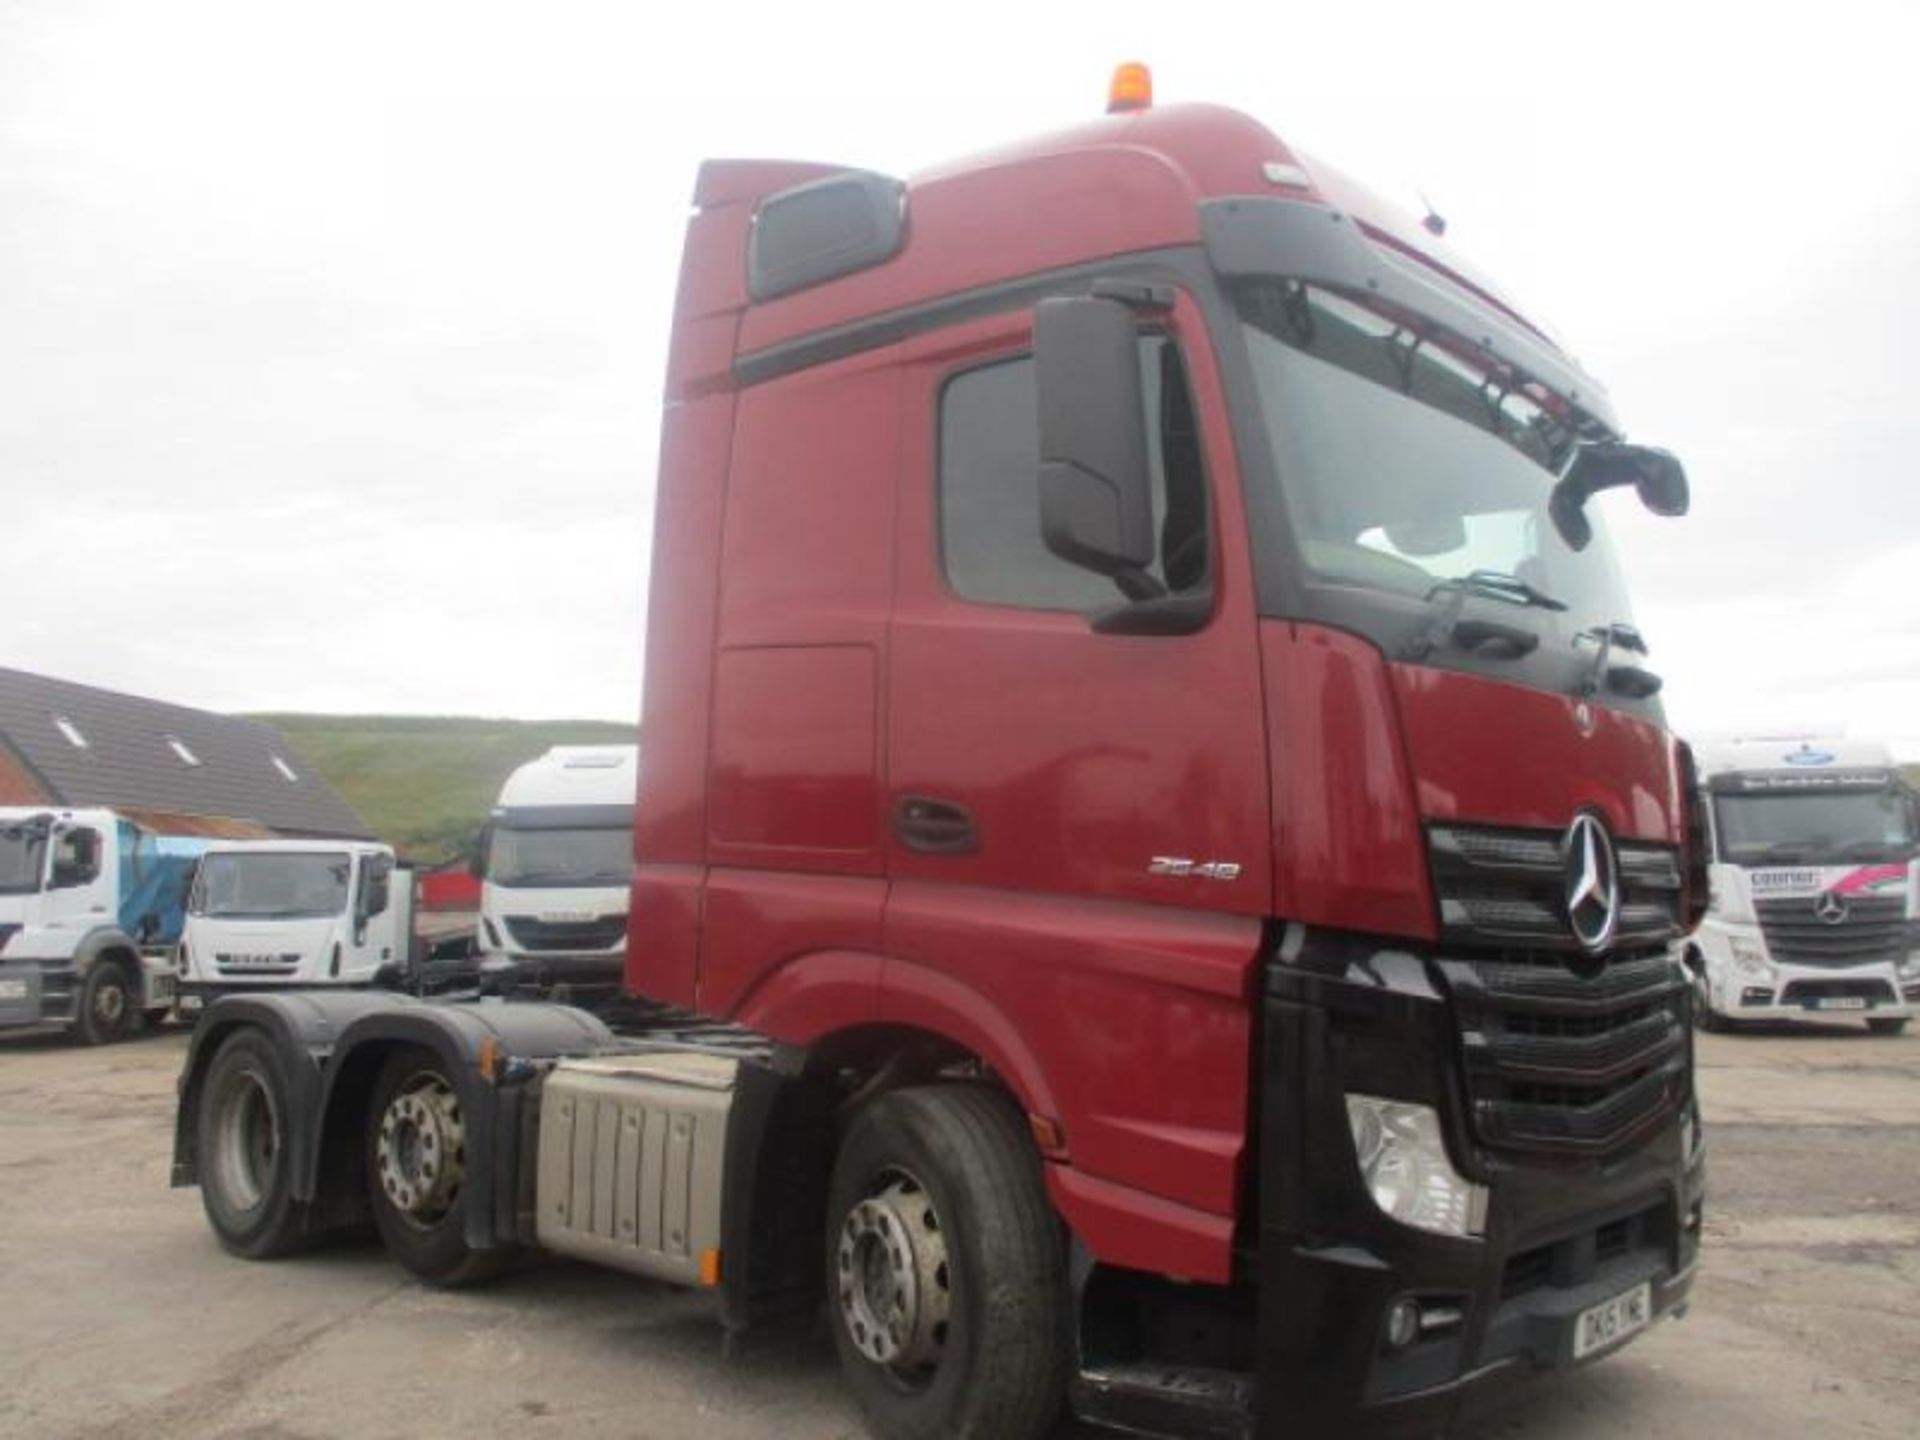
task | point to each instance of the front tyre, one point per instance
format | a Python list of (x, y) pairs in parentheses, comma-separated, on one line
[(416, 1152), (109, 1008), (945, 1270), (245, 1164), (1705, 1017)]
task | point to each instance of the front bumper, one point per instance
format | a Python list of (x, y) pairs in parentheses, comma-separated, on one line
[(1806, 992), (35, 992), (1561, 1235)]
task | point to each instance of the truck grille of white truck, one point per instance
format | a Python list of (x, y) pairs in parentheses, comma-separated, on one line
[(1865, 930), (268, 964), (1562, 1051), (530, 933)]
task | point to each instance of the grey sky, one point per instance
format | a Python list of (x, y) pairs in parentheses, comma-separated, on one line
[(331, 334)]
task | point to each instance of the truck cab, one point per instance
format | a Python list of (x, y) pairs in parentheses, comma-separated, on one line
[(1816, 884), (90, 907), (555, 862), (286, 913)]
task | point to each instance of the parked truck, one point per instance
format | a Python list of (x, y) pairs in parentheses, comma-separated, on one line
[(1159, 880), (1815, 883), (272, 914), (555, 861), (90, 908)]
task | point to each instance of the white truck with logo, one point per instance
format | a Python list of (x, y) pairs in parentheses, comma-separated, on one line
[(274, 914), (1815, 883), (90, 909), (555, 863)]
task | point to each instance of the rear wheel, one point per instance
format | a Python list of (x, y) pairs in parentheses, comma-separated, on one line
[(1887, 1024), (945, 1273), (416, 1149), (109, 1007), (246, 1181)]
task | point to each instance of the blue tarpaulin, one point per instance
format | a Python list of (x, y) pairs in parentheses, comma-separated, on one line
[(153, 887)]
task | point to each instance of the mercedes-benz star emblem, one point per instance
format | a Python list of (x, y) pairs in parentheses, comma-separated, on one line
[(1830, 907), (1593, 882)]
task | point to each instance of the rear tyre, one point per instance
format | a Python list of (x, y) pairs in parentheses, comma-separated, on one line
[(1887, 1024), (946, 1278), (416, 1151), (246, 1177), (109, 1004)]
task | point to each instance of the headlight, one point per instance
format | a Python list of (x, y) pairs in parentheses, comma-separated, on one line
[(1749, 955), (1910, 967), (1403, 1159)]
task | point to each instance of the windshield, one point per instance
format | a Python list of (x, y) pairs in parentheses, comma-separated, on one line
[(596, 856), (275, 887), (1405, 466), (1823, 829), (21, 853)]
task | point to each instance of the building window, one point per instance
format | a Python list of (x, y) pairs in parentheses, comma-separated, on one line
[(72, 731), (179, 748), (286, 770)]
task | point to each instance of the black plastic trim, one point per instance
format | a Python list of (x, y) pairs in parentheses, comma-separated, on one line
[(824, 229)]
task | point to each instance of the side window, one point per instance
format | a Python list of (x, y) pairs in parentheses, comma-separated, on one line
[(76, 859), (990, 492)]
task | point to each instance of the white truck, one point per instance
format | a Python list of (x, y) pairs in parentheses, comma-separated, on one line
[(274, 914), (90, 909), (1815, 884), (555, 862)]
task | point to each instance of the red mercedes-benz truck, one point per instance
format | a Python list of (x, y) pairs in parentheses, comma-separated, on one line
[(1160, 875)]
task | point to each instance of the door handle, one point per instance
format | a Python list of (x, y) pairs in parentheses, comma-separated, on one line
[(934, 827)]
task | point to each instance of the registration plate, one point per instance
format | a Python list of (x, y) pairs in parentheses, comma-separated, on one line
[(1840, 1002), (1612, 1321)]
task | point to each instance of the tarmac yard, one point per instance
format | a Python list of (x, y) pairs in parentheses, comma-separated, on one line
[(121, 1319)]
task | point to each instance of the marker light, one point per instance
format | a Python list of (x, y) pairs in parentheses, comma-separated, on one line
[(1132, 88)]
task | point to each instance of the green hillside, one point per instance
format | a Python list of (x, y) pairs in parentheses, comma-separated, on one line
[(425, 783)]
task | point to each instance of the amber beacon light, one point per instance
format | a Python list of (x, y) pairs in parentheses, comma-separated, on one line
[(1132, 88)]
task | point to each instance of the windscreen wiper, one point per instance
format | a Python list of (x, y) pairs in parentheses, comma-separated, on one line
[(1508, 642), (1623, 677)]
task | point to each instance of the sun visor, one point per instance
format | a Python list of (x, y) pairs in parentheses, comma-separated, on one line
[(1303, 241)]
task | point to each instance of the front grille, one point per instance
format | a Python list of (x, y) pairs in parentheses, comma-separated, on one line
[(280, 964), (1874, 930), (1874, 992), (1562, 1051), (602, 932), (1507, 887)]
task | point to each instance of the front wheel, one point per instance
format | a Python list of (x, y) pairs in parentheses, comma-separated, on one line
[(246, 1176), (1705, 1017), (416, 1149), (1887, 1024), (109, 1008), (945, 1272)]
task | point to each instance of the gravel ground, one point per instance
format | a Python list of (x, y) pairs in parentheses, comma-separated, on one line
[(120, 1319)]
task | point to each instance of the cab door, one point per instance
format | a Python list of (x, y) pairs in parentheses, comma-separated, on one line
[(81, 879), (1079, 829)]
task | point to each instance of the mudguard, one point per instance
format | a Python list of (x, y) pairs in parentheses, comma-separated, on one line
[(334, 1041)]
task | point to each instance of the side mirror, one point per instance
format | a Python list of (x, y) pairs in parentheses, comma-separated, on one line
[(374, 893), (1657, 475), (1096, 495), (482, 844)]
